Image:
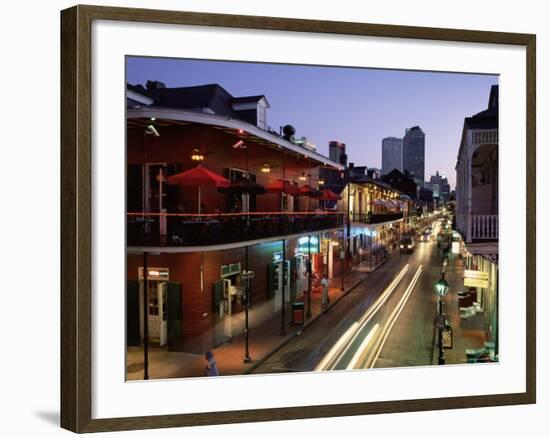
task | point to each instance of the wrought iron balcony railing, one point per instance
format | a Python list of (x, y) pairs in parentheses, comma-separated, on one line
[(478, 227), (484, 227), (170, 229), (376, 218)]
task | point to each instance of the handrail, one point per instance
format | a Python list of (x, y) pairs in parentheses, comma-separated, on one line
[(255, 213)]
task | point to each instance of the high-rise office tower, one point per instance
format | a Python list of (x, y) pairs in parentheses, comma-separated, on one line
[(413, 152), (337, 152), (392, 154)]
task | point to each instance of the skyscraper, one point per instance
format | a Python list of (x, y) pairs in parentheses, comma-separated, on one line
[(443, 188), (337, 152), (392, 154), (413, 152)]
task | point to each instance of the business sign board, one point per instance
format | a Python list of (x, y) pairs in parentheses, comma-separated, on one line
[(455, 248), (476, 278), (447, 337)]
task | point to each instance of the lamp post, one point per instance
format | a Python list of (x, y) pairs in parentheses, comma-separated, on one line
[(343, 259), (247, 277), (145, 318), (309, 272), (441, 289)]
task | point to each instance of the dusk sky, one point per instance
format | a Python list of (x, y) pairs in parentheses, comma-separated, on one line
[(356, 106)]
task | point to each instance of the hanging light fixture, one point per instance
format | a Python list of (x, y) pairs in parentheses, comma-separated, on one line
[(321, 181), (197, 155), (302, 177), (266, 168)]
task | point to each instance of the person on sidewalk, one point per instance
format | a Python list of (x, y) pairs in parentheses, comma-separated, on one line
[(211, 367), (325, 300)]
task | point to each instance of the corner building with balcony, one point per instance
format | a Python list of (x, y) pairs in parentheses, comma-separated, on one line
[(196, 239), (477, 210), (377, 218)]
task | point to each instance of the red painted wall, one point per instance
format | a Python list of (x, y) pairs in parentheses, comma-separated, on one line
[(176, 145)]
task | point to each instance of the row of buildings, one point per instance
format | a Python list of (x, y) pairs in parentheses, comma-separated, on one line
[(477, 218), (216, 198)]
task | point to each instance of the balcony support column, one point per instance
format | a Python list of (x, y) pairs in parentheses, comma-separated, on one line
[(145, 318), (283, 290), (309, 273), (246, 358), (468, 200)]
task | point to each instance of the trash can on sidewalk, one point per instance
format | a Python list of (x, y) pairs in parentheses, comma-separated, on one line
[(297, 313)]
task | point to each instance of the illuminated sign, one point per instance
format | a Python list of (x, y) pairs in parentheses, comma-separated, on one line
[(476, 278), (154, 273), (447, 337), (231, 269), (455, 248), (303, 247)]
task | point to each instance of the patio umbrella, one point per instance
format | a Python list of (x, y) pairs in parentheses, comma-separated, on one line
[(198, 177), (244, 186), (329, 195), (307, 190), (279, 187)]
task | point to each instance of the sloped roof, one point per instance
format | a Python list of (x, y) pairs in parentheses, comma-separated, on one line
[(487, 119), (212, 96), (247, 99)]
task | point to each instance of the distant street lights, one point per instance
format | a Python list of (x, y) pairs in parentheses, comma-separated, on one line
[(441, 289)]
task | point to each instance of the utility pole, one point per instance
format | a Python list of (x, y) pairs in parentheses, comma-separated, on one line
[(145, 319)]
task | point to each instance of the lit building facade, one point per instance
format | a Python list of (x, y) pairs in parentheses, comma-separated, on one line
[(377, 215), (477, 210), (254, 210)]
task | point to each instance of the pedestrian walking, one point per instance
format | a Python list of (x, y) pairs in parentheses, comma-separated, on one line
[(324, 297), (211, 366)]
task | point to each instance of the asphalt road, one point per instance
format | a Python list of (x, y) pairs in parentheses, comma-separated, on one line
[(386, 321)]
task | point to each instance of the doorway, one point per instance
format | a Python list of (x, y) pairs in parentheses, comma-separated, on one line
[(228, 299), (277, 278), (301, 275), (157, 305)]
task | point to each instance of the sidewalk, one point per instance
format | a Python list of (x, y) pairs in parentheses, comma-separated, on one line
[(467, 333), (264, 339)]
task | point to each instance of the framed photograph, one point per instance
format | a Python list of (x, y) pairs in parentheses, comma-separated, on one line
[(270, 218)]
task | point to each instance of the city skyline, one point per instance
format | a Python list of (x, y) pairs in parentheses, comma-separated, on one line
[(371, 104), (226, 260)]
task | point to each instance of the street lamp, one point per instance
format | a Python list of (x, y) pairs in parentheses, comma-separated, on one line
[(247, 277), (441, 289)]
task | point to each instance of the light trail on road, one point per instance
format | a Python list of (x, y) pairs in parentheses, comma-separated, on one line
[(396, 313), (357, 356), (344, 346)]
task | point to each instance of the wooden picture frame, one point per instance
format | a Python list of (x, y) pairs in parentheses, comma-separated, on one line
[(76, 222)]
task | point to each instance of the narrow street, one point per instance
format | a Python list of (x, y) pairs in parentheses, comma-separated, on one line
[(386, 321)]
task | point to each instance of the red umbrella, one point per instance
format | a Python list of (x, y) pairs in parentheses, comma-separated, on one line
[(329, 195), (310, 191), (198, 177), (278, 187)]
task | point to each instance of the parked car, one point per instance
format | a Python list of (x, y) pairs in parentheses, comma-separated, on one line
[(406, 245)]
